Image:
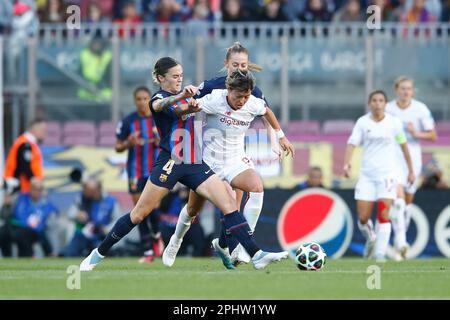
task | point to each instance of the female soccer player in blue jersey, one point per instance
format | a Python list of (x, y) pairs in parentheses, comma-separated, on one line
[(240, 176), (178, 161)]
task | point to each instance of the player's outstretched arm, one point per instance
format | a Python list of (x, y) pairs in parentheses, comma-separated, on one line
[(348, 159), (165, 103), (430, 135), (285, 144), (407, 155)]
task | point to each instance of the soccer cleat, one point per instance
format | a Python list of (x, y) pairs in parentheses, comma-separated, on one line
[(170, 253), (261, 259), (369, 249), (240, 256), (404, 252), (89, 263), (223, 254), (158, 245)]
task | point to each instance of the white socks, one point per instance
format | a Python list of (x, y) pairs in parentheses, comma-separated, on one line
[(367, 230), (408, 214), (382, 241), (253, 208), (183, 223), (398, 222)]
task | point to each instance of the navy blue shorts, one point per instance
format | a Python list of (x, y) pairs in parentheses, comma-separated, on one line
[(166, 173), (136, 185)]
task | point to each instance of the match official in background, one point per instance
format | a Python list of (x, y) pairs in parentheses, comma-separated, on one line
[(25, 160)]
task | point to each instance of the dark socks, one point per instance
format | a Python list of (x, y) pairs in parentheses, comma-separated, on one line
[(238, 228), (226, 240), (122, 227)]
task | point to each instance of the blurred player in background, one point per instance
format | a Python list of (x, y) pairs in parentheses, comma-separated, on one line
[(228, 114), (180, 160), (137, 133), (419, 125), (378, 133), (236, 58)]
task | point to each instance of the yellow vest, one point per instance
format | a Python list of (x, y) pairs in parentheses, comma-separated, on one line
[(93, 69)]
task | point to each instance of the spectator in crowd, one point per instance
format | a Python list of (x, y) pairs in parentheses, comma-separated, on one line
[(130, 19), (432, 177), (273, 12), (95, 14), (314, 180), (399, 9), (24, 159), (6, 16), (201, 11), (446, 12), (95, 68), (350, 12), (434, 7), (168, 11), (293, 8), (385, 6), (232, 11), (170, 208), (213, 5), (27, 223), (315, 11), (93, 213), (54, 12), (417, 14)]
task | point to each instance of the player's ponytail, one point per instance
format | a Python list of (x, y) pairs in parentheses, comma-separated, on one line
[(162, 66), (237, 47)]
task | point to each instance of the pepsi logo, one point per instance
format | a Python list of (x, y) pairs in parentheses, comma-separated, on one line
[(315, 215)]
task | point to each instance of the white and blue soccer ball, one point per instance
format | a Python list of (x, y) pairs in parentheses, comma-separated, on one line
[(310, 256)]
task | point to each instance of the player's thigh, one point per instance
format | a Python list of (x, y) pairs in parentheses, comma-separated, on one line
[(195, 203), (215, 191), (248, 180), (409, 197), (148, 201)]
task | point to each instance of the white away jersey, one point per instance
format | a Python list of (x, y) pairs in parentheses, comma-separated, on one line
[(224, 128), (379, 141)]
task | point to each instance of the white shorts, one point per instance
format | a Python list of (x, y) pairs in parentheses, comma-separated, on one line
[(229, 171), (372, 190)]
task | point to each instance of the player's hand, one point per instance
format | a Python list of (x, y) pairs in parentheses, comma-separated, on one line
[(193, 106), (189, 91), (411, 129), (287, 146), (347, 169), (133, 138), (411, 178)]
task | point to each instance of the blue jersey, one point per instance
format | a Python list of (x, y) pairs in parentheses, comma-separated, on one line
[(31, 214), (142, 155), (208, 86), (178, 134)]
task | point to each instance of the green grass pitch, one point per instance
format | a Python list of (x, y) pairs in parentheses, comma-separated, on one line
[(205, 278)]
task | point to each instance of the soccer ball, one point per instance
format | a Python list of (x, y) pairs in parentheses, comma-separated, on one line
[(310, 256)]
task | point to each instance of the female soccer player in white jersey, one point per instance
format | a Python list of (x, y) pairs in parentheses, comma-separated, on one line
[(419, 125), (378, 133), (236, 58), (228, 114), (179, 161)]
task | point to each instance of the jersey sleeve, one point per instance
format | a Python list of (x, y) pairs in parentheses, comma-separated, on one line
[(357, 134), (122, 130), (260, 108), (167, 111), (207, 104), (204, 89), (399, 132), (258, 94), (426, 120)]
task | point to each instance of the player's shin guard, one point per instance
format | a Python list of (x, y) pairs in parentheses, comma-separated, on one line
[(237, 226), (383, 233), (397, 214), (252, 208), (122, 227), (183, 223)]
